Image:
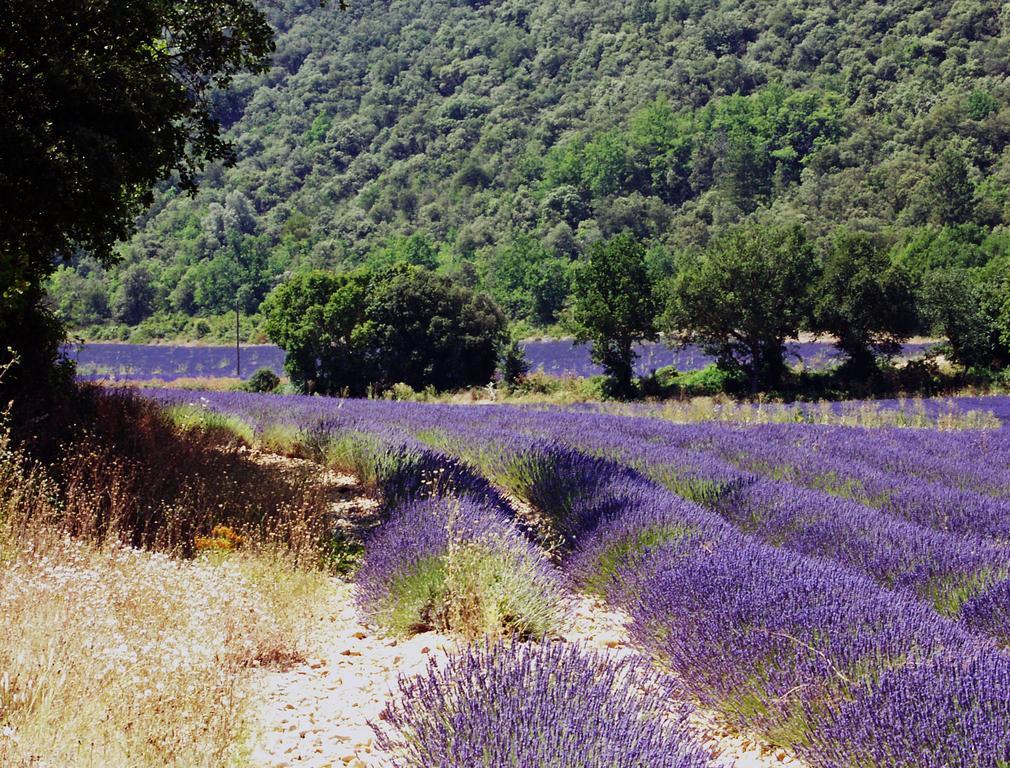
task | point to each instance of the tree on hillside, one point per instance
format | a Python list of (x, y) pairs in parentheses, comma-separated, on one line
[(951, 189), (526, 279), (134, 298), (965, 307), (417, 249), (369, 330), (743, 297), (864, 300), (100, 101), (312, 317), (615, 307)]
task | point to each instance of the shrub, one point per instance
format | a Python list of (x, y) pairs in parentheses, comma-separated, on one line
[(263, 380), (512, 364), (707, 381), (457, 565), (551, 704), (401, 391), (950, 710), (223, 538)]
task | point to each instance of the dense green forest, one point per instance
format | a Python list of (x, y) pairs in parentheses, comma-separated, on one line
[(497, 141)]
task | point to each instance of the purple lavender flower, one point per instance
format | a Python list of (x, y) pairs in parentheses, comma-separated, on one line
[(989, 612), (453, 564), (549, 704), (950, 712)]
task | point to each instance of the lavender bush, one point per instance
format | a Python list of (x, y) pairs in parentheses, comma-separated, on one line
[(989, 612), (944, 569), (949, 712), (452, 564), (768, 638), (551, 704)]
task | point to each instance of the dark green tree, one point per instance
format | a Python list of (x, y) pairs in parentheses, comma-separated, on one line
[(134, 298), (512, 364), (364, 331), (423, 330), (526, 279), (100, 101), (615, 307), (952, 191), (964, 306), (312, 317), (80, 300), (745, 295), (864, 300)]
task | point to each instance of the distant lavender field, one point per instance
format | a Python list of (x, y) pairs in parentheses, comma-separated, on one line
[(131, 362)]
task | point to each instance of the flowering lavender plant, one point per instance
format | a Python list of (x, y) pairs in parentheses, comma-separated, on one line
[(550, 704), (949, 711), (453, 564)]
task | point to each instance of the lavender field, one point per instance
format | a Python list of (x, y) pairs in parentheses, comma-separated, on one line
[(841, 592), (142, 362), (131, 362)]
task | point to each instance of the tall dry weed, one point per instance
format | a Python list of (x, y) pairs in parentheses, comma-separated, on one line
[(112, 654)]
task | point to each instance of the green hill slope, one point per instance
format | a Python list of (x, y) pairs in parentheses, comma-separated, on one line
[(505, 135)]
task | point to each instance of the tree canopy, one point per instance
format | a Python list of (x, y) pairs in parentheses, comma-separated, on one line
[(864, 300), (365, 331), (615, 306), (504, 133), (743, 297), (101, 101)]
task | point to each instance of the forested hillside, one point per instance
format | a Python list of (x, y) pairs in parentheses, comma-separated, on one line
[(496, 140)]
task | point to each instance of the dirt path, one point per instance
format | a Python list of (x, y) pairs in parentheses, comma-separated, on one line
[(317, 713)]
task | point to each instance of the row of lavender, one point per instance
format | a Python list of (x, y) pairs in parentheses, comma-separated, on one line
[(127, 362), (824, 623), (453, 556), (943, 544), (949, 567)]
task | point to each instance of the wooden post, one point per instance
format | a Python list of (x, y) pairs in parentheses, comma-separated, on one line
[(238, 349)]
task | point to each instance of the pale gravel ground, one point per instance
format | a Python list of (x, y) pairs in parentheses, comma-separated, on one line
[(316, 714)]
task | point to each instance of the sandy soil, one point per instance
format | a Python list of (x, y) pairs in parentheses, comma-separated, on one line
[(317, 713)]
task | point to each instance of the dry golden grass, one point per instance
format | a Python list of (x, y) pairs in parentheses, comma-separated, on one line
[(120, 657), (911, 412), (203, 383), (115, 657)]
